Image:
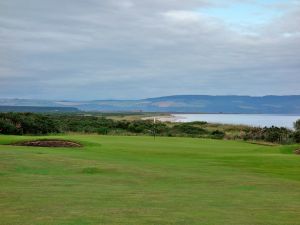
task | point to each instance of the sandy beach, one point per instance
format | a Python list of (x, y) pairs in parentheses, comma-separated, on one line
[(169, 118)]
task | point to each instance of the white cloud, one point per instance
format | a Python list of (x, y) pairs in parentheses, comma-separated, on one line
[(182, 16)]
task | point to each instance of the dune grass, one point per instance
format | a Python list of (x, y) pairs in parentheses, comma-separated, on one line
[(137, 181)]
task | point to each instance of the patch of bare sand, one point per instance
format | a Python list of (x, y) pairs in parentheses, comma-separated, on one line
[(49, 143)]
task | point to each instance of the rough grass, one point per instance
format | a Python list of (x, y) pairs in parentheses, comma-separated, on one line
[(136, 180)]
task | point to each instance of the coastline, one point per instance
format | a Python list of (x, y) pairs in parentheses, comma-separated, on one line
[(170, 118), (256, 120)]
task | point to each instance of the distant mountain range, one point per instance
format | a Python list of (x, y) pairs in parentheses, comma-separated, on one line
[(177, 104), (37, 109)]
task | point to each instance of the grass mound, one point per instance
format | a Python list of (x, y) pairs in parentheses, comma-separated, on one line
[(49, 143)]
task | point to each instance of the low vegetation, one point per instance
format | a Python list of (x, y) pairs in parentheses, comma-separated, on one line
[(41, 124)]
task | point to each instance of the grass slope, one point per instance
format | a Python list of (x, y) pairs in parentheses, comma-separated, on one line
[(136, 181)]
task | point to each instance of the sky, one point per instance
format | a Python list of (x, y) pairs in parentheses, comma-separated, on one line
[(133, 49)]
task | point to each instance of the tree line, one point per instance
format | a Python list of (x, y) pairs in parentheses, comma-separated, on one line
[(42, 124)]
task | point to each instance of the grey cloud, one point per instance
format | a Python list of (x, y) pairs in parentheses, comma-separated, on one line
[(140, 48)]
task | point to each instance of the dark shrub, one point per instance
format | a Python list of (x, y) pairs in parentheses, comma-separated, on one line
[(7, 127), (296, 136), (217, 134), (297, 125), (102, 130), (140, 126), (200, 123), (189, 129), (28, 123)]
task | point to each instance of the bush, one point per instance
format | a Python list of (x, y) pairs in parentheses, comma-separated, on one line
[(189, 129), (144, 126), (27, 123), (297, 125), (102, 130), (276, 134), (200, 123), (296, 136), (217, 134), (7, 127)]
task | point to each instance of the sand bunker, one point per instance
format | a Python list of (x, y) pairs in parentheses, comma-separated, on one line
[(49, 143)]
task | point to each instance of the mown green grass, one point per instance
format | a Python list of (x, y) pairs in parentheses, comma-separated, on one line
[(136, 181)]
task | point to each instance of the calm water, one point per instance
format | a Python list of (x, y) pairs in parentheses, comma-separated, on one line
[(260, 120)]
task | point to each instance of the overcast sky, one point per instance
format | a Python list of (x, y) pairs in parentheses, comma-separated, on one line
[(131, 49)]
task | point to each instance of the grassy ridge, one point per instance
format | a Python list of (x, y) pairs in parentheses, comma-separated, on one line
[(136, 180)]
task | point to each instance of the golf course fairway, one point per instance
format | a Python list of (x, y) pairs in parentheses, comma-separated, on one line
[(114, 180)]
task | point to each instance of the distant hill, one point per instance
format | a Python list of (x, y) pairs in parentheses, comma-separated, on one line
[(36, 109), (179, 104)]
